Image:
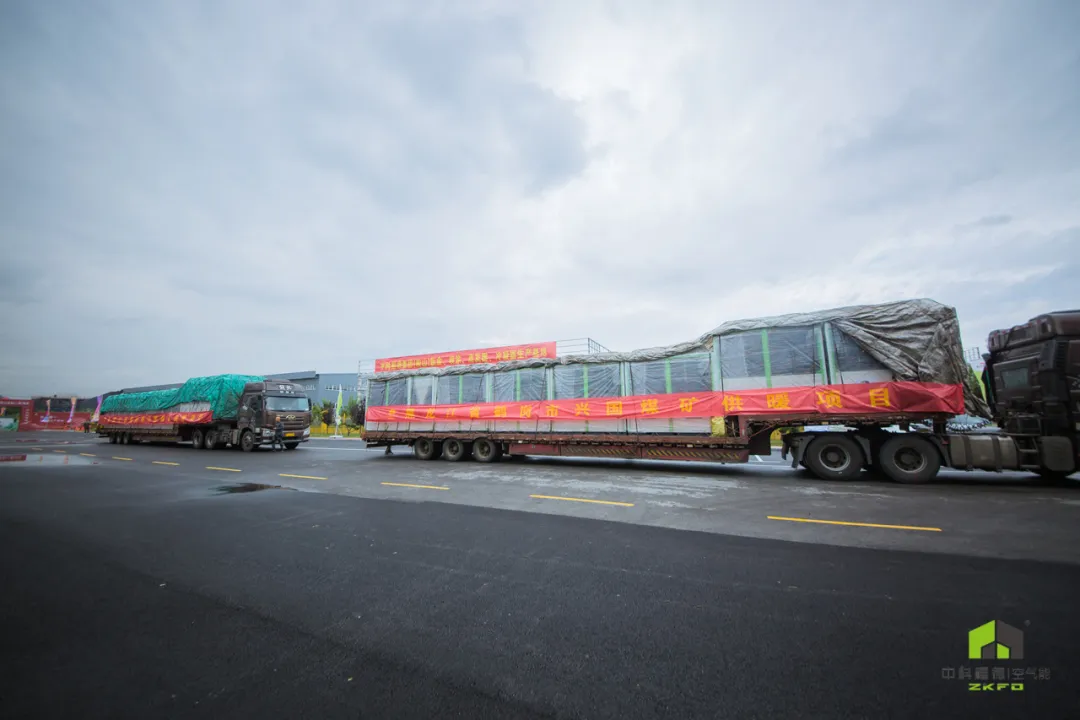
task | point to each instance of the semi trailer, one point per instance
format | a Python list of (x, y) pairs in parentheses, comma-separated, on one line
[(209, 412), (848, 389)]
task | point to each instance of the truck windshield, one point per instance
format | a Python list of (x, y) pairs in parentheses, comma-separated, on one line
[(288, 404)]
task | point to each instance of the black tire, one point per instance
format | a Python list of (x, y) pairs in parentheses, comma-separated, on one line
[(485, 451), (834, 456), (198, 439), (247, 441), (291, 446), (210, 440), (1055, 478), (125, 438), (427, 449), (909, 459), (113, 439), (454, 450)]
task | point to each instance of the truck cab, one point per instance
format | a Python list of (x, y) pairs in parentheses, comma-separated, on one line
[(263, 403), (1032, 380)]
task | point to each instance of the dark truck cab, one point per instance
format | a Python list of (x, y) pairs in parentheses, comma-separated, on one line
[(1032, 380), (263, 403)]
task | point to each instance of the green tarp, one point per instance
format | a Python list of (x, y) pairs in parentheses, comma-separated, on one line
[(221, 391)]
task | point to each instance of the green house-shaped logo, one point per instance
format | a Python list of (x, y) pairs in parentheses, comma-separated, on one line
[(995, 641)]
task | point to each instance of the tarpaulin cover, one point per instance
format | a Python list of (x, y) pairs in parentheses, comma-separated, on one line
[(221, 392), (854, 399), (917, 340)]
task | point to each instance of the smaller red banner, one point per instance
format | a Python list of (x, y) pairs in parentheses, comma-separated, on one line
[(162, 418), (467, 357)]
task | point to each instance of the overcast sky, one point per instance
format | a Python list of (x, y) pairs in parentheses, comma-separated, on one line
[(193, 188)]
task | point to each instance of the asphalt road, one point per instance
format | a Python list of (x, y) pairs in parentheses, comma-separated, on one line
[(147, 586)]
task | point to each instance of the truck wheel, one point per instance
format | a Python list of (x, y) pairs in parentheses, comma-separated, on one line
[(112, 438), (909, 459), (210, 441), (834, 456), (454, 450), (247, 441), (1054, 478), (291, 446), (125, 438), (197, 439), (486, 451), (427, 449)]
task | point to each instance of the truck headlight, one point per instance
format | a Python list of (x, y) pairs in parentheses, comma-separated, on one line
[(307, 431)]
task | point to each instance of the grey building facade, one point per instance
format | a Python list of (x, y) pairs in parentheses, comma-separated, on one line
[(323, 386)]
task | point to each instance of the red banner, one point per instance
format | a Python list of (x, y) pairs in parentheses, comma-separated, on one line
[(467, 357), (161, 418), (864, 399)]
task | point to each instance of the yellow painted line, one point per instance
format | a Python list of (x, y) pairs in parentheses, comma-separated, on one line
[(36, 449), (211, 467), (302, 477), (163, 462), (60, 451), (856, 524), (88, 454), (584, 500), (422, 487), (120, 458)]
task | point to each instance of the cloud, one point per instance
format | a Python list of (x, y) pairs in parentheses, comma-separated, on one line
[(200, 188)]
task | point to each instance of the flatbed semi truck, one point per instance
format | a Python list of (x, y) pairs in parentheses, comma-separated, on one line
[(878, 384), (209, 412)]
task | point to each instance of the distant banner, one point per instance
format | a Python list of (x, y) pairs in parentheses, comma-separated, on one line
[(467, 357), (824, 400), (160, 418)]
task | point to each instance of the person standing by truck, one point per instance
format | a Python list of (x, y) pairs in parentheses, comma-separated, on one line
[(279, 435)]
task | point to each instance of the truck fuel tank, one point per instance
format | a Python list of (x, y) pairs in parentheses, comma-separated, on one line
[(983, 452)]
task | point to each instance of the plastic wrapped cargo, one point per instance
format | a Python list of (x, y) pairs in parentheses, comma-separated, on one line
[(218, 393), (909, 340)]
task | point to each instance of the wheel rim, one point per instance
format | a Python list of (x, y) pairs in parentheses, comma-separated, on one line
[(835, 458), (423, 446), (910, 460), (482, 449), (453, 448)]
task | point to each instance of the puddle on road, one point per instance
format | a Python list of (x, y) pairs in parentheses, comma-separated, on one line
[(43, 460), (246, 488)]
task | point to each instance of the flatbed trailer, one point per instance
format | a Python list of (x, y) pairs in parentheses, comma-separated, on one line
[(885, 380)]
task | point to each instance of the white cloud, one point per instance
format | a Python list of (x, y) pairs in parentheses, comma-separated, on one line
[(252, 188)]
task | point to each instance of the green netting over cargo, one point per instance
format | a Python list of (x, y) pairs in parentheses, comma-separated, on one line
[(221, 391)]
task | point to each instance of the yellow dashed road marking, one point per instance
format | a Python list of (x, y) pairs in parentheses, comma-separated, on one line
[(422, 487), (211, 467), (163, 462), (120, 458), (584, 500), (302, 477), (856, 524)]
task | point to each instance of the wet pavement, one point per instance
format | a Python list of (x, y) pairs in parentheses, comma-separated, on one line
[(164, 581)]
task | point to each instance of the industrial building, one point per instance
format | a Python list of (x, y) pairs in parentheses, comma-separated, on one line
[(322, 386)]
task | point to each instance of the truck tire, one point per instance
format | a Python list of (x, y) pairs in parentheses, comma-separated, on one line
[(427, 449), (197, 439), (113, 439), (834, 456), (485, 451), (1055, 478), (247, 441), (454, 450), (210, 440), (125, 438), (909, 459), (291, 446)]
